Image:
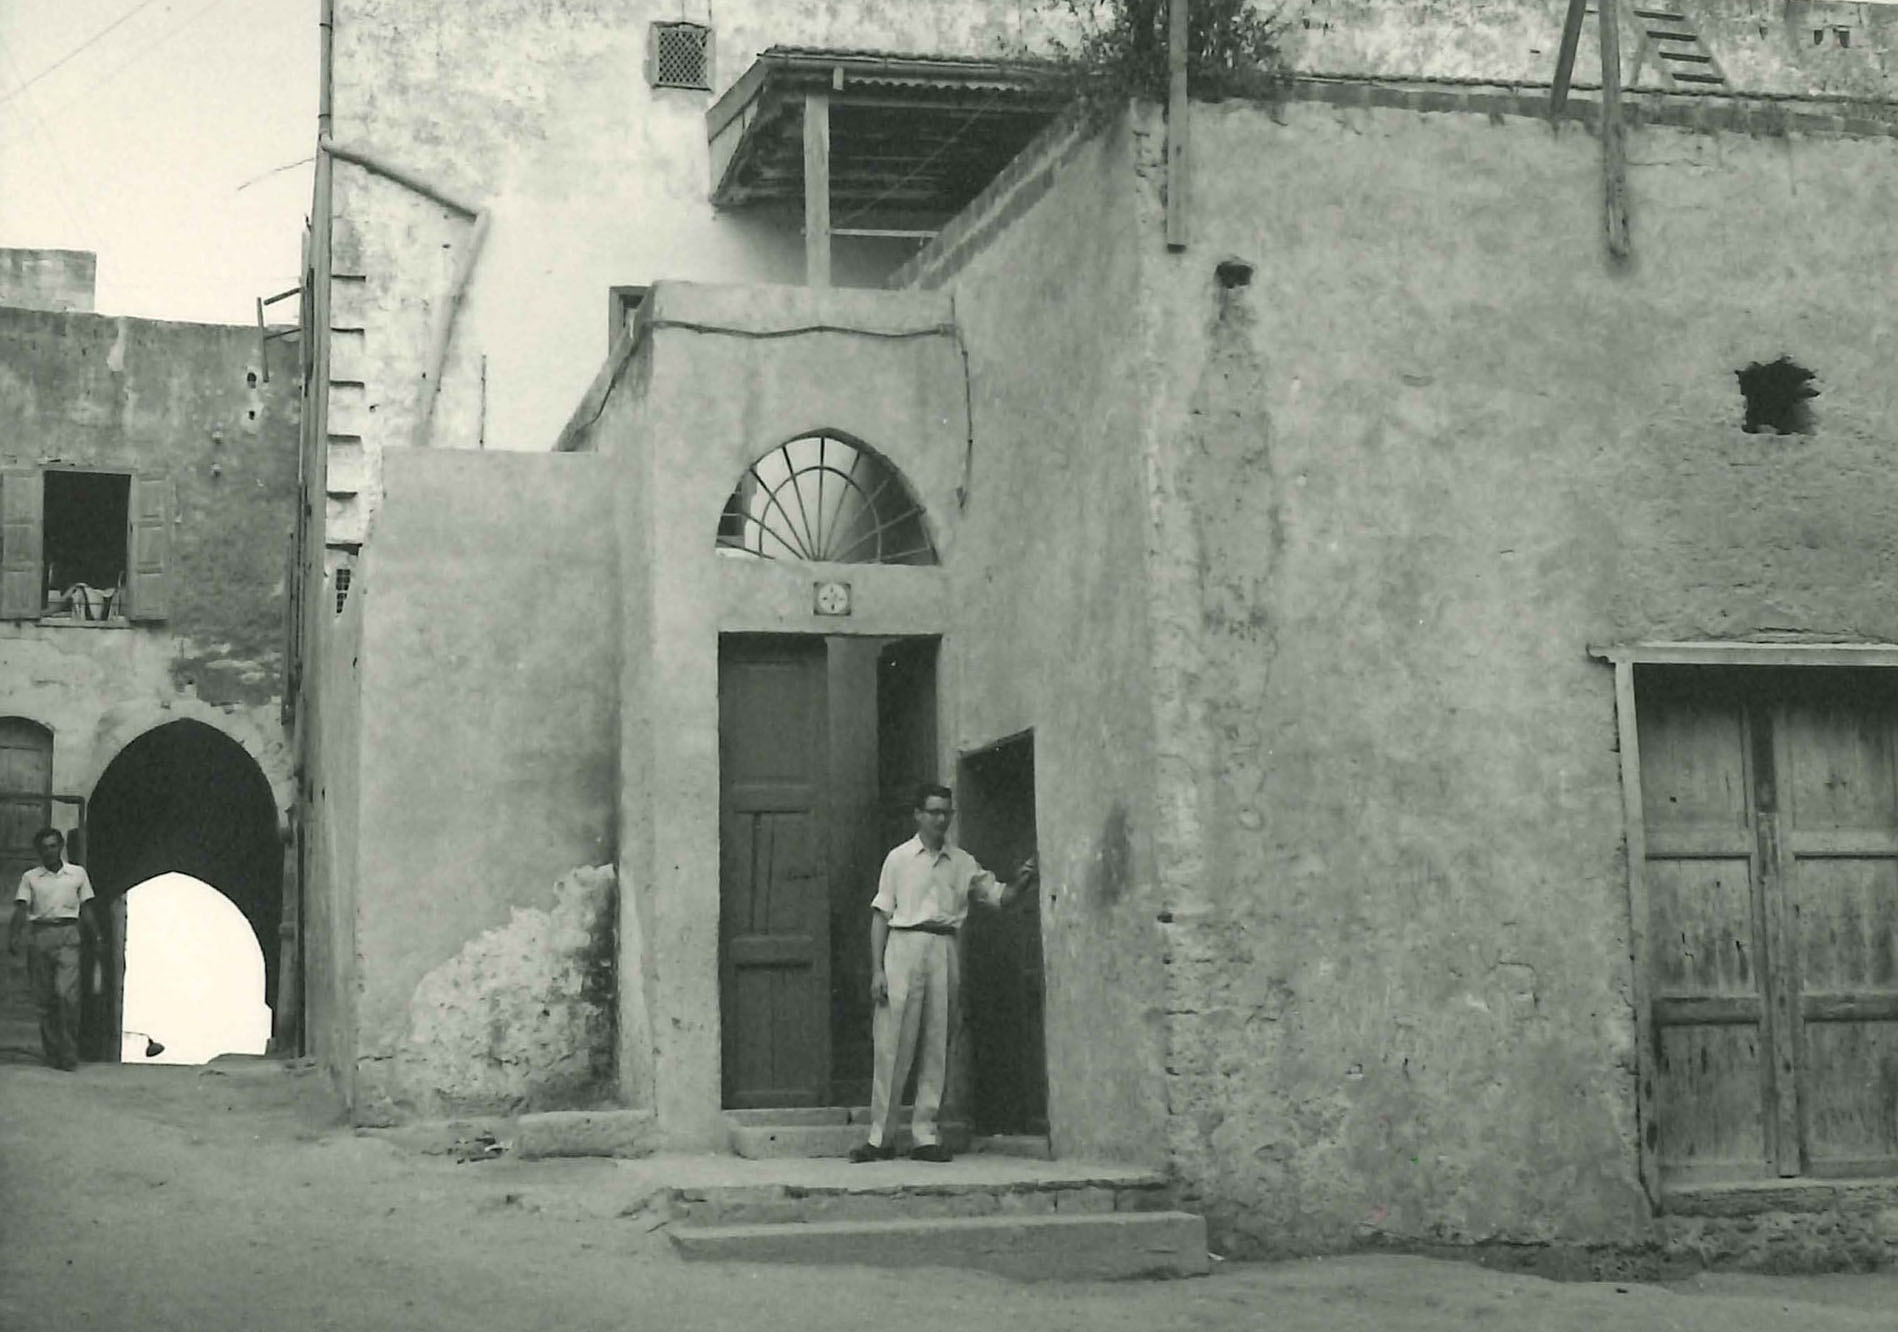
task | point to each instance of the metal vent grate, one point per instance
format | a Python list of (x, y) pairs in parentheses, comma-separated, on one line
[(679, 55)]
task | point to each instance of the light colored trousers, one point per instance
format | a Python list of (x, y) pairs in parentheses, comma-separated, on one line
[(52, 968), (922, 970)]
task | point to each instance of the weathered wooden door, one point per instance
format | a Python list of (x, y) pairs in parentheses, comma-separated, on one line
[(26, 789), (1771, 823), (26, 785), (1834, 753), (774, 942)]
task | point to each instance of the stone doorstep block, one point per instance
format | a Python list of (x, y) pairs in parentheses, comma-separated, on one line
[(797, 1209), (785, 1205), (1026, 1202), (1095, 1247), (620, 1133), (803, 1116), (1034, 1147), (1143, 1198), (1084, 1201)]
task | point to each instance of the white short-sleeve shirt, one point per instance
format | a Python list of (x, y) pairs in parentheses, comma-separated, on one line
[(917, 887), (54, 894)]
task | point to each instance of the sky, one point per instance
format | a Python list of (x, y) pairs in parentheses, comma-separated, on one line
[(194, 974), (166, 136)]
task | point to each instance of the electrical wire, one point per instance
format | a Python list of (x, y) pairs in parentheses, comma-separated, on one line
[(116, 23), (61, 181), (84, 94)]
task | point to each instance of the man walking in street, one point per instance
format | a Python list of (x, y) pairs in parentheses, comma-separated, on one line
[(54, 904), (921, 901)]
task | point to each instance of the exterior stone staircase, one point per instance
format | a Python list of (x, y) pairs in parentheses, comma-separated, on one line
[(1001, 1206)]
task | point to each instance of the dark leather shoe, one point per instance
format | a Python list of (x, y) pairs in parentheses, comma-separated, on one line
[(871, 1152), (932, 1151)]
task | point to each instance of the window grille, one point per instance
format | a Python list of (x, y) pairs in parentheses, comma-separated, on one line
[(823, 498), (342, 587), (679, 55)]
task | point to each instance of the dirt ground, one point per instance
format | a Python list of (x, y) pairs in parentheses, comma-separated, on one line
[(230, 1196)]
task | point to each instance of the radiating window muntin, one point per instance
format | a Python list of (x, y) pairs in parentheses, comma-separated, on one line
[(824, 498)]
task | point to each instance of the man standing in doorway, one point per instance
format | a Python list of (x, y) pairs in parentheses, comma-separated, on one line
[(922, 899), (54, 903)]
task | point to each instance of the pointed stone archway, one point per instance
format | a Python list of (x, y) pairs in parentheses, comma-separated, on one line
[(182, 797)]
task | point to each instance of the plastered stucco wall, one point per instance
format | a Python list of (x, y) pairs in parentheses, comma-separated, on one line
[(713, 402), (542, 115), (484, 931), (1771, 46), (176, 400), (1051, 567), (1402, 480)]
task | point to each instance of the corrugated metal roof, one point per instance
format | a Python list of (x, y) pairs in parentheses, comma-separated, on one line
[(910, 133)]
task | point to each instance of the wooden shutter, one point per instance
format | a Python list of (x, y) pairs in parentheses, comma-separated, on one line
[(22, 501), (148, 548)]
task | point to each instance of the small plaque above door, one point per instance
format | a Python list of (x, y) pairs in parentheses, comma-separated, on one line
[(829, 597)]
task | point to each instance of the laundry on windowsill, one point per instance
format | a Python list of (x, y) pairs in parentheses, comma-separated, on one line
[(82, 601)]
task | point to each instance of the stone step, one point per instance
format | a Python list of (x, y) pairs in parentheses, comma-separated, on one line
[(796, 1114), (906, 1190), (761, 1142), (1028, 1145), (1082, 1247), (832, 1130)]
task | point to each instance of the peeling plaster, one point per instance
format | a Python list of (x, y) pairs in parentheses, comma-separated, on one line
[(522, 1018)]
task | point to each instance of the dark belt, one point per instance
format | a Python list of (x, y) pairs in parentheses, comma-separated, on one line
[(49, 924), (933, 927)]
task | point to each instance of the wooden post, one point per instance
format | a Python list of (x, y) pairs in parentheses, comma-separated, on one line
[(1177, 117), (1614, 157), (263, 343), (1565, 57), (1634, 826), (817, 189)]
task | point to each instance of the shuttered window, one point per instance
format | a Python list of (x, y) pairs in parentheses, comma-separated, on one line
[(84, 545)]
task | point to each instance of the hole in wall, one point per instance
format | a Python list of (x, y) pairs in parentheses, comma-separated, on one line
[(1233, 273), (1777, 395), (250, 378)]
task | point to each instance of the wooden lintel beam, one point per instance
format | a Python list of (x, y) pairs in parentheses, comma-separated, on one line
[(1565, 57), (817, 189)]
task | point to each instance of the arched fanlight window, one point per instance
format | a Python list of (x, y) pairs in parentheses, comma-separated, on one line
[(823, 498)]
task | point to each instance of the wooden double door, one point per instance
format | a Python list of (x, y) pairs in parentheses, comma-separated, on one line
[(821, 743), (1770, 820)]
